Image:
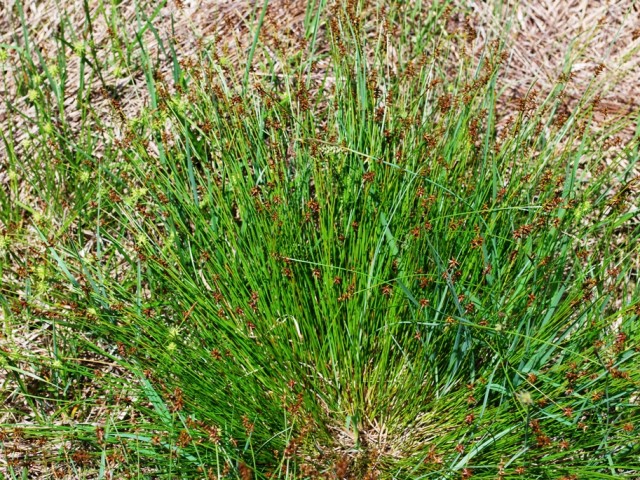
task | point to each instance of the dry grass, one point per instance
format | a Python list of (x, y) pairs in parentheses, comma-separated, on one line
[(190, 24), (604, 37)]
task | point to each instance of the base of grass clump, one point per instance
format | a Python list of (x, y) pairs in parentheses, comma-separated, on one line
[(358, 277)]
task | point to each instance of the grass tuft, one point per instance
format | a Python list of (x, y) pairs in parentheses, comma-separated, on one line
[(338, 261)]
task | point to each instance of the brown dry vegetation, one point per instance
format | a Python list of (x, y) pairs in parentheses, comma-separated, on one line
[(598, 38)]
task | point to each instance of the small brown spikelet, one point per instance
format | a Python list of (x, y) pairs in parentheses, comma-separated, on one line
[(245, 471), (477, 242), (368, 177), (184, 439), (523, 231), (445, 102), (177, 400)]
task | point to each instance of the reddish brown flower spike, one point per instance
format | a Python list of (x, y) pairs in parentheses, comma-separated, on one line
[(368, 177), (178, 400), (184, 438), (543, 440), (245, 471), (535, 425)]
